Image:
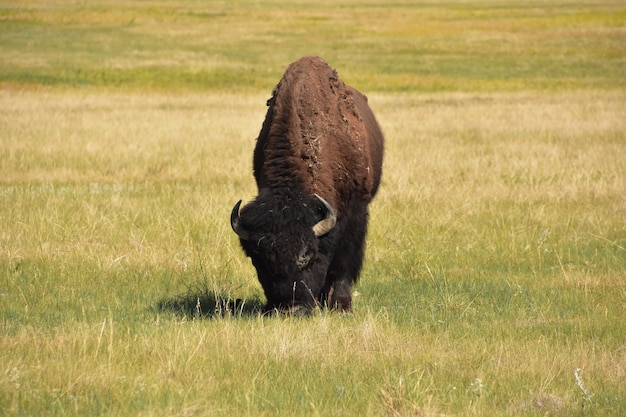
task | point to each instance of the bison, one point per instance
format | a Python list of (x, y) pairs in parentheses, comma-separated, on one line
[(317, 165)]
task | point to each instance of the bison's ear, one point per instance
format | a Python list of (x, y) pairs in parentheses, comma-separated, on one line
[(328, 222), (235, 223)]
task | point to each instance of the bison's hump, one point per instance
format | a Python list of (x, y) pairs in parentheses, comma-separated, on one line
[(314, 133)]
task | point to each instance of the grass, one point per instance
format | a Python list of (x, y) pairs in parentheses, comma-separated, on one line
[(494, 277), (403, 46)]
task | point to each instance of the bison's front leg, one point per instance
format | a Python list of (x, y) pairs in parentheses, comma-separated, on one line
[(338, 296), (348, 260)]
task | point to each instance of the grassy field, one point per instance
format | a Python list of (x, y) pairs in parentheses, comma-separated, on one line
[(495, 275)]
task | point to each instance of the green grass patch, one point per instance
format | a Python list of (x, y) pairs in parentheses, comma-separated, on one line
[(244, 46)]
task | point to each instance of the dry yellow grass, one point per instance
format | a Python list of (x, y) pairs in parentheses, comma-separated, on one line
[(95, 137)]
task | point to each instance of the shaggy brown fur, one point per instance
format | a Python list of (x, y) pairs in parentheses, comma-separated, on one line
[(321, 131)]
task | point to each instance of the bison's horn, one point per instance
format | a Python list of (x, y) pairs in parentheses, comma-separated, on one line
[(325, 225), (235, 223)]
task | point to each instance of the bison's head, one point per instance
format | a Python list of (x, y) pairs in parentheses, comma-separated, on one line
[(288, 237)]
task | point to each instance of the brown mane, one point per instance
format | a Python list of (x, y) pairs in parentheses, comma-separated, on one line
[(326, 146)]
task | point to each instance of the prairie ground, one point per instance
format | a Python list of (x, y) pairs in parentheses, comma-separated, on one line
[(494, 281)]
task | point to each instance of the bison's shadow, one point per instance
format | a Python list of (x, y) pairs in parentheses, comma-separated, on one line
[(201, 303)]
